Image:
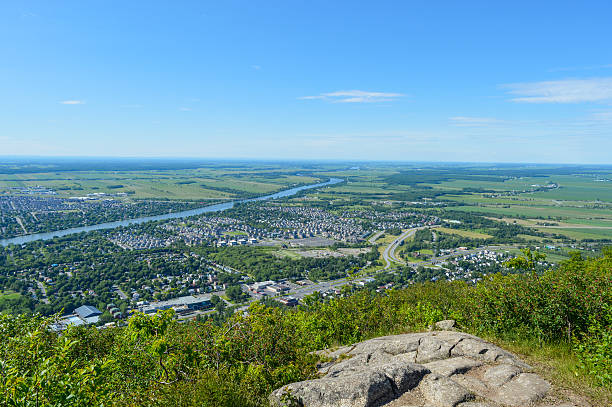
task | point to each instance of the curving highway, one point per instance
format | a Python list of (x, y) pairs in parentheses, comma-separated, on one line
[(389, 252)]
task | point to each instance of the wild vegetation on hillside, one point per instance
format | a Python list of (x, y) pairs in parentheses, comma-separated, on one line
[(157, 361)]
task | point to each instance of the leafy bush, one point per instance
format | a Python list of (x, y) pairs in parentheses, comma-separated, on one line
[(594, 349), (157, 361)]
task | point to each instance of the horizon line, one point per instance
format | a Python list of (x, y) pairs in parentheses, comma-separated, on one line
[(289, 159)]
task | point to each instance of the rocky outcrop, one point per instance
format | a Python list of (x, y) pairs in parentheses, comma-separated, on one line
[(432, 369)]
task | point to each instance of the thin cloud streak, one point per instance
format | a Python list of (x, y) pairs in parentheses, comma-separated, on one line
[(355, 96), (602, 116), (72, 102), (467, 121), (581, 68), (562, 91)]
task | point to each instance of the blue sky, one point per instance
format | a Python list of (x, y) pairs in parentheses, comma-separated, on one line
[(381, 80)]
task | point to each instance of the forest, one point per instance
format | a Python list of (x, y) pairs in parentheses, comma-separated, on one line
[(262, 265)]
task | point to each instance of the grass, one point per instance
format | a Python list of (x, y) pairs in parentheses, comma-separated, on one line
[(553, 256), (372, 269), (516, 184), (464, 233), (191, 184), (590, 222), (579, 201), (579, 188), (405, 255), (236, 233), (580, 233), (571, 187), (287, 253), (542, 212), (363, 188), (557, 364), (383, 242), (9, 295)]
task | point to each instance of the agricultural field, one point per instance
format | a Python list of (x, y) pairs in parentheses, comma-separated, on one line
[(573, 222), (465, 233), (35, 199), (582, 233), (184, 184), (564, 202), (569, 202)]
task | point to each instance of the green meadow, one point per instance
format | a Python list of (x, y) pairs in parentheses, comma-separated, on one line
[(185, 184)]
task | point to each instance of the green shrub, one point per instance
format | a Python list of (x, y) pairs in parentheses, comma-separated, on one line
[(594, 349), (157, 361)]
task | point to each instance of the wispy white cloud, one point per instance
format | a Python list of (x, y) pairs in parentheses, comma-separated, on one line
[(468, 121), (581, 68), (72, 102), (355, 96), (185, 109), (602, 116), (256, 67), (562, 91)]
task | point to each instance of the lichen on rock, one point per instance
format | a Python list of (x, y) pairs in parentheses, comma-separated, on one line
[(432, 369)]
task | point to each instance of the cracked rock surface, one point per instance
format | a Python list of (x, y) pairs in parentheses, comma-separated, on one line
[(432, 369)]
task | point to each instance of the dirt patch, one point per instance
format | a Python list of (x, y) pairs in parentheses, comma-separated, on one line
[(320, 253), (350, 251)]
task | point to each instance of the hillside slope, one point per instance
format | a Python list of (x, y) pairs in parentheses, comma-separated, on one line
[(561, 321)]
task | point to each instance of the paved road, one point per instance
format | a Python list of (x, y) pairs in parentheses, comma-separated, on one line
[(120, 292), (44, 292), (18, 219), (389, 252), (375, 236), (321, 286)]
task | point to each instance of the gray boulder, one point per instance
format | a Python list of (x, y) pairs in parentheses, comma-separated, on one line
[(446, 325), (500, 374), (433, 369), (443, 392), (452, 366), (523, 390), (365, 386)]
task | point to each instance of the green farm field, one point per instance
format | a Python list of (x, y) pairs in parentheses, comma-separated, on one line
[(581, 233), (465, 233), (188, 184), (542, 212), (580, 204), (579, 189), (516, 184)]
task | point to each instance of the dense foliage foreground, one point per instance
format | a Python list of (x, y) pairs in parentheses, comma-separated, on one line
[(157, 361)]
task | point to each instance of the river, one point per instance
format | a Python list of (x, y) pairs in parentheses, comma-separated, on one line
[(174, 215)]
